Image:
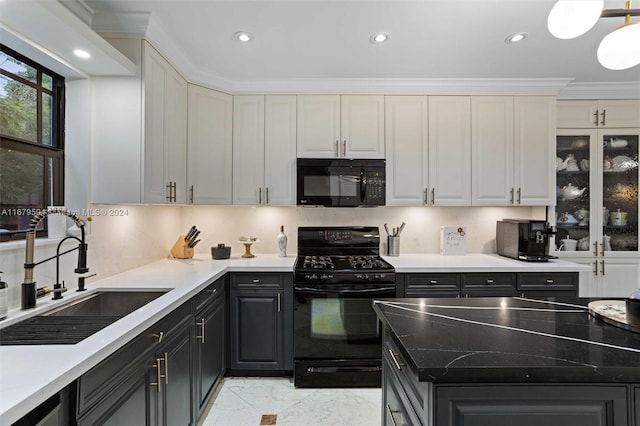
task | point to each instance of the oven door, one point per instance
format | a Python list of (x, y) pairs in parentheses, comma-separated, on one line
[(337, 335)]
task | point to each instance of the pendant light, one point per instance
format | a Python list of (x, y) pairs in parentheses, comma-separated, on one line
[(572, 18), (618, 50)]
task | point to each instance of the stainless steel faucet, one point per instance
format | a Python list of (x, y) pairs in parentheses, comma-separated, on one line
[(29, 292)]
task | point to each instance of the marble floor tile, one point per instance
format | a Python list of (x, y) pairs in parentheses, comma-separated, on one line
[(242, 401)]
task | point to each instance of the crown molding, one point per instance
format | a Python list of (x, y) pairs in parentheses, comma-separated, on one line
[(618, 90), (124, 23), (81, 9)]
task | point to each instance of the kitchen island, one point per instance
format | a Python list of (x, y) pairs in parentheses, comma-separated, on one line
[(505, 361)]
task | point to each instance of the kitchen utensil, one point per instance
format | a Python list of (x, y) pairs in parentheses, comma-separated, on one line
[(570, 192), (618, 143), (181, 249), (584, 165), (401, 228), (190, 233), (579, 143), (386, 228), (221, 252), (192, 244), (618, 218), (568, 244), (393, 245)]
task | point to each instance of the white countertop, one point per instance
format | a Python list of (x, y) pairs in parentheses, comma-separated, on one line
[(30, 374)]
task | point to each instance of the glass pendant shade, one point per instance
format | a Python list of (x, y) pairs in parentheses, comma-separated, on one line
[(620, 49), (572, 18)]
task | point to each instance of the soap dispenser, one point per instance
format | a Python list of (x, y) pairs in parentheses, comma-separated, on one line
[(4, 299)]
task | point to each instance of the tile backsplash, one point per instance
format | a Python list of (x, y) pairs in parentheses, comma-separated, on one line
[(140, 234)]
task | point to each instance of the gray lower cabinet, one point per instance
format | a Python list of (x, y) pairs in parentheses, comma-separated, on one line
[(407, 401), (260, 322), (502, 284), (210, 348)]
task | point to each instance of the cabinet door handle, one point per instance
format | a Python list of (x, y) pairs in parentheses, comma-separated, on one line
[(604, 116), (595, 118), (337, 148), (595, 267), (395, 360), (267, 195), (175, 192), (201, 325), (595, 248), (511, 195), (169, 187), (390, 411), (426, 195), (433, 196), (602, 267), (602, 252), (159, 375), (191, 194), (279, 303), (259, 195), (166, 368), (519, 195), (344, 148)]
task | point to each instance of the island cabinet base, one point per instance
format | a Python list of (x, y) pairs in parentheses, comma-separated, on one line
[(408, 401)]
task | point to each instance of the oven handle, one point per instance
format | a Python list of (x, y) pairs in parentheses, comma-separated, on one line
[(346, 291)]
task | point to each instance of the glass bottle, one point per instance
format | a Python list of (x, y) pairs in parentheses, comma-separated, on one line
[(282, 242)]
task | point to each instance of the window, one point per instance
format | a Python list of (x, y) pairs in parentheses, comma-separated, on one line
[(31, 142)]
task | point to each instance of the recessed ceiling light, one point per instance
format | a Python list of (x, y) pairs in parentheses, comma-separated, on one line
[(82, 54), (243, 36), (515, 38), (378, 38)]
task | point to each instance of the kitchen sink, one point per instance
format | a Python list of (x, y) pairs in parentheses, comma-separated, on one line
[(107, 303), (78, 319)]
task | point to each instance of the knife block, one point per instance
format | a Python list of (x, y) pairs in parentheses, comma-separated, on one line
[(180, 250)]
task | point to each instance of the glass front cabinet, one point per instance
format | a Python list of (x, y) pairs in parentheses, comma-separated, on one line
[(596, 213)]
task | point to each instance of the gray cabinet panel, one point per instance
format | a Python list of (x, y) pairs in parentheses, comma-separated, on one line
[(210, 350), (498, 284), (176, 401), (531, 405)]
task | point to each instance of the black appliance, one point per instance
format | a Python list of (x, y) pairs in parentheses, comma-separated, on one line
[(524, 239), (340, 182), (337, 336)]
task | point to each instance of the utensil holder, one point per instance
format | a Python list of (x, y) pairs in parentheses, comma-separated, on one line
[(180, 249), (393, 246), (221, 252)]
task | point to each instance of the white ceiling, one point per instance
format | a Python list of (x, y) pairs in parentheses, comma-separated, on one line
[(430, 39)]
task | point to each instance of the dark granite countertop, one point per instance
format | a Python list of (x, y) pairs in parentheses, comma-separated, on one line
[(471, 340)]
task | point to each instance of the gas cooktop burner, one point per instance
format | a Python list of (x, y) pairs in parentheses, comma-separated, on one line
[(366, 262), (317, 262)]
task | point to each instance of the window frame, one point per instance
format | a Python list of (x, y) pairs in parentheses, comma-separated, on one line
[(54, 178)]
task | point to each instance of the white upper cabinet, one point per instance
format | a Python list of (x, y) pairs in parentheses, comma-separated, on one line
[(334, 126), (534, 150), (512, 149), (209, 146), (449, 151), (264, 150), (492, 147), (165, 130), (140, 131), (598, 114), (280, 151), (406, 137)]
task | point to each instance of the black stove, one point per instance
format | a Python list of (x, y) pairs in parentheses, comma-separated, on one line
[(337, 275), (334, 255)]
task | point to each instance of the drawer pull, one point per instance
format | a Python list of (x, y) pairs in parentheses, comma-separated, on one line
[(159, 336), (166, 368), (212, 291), (433, 282), (395, 360), (489, 281), (390, 411), (159, 375), (201, 325), (549, 281), (255, 280)]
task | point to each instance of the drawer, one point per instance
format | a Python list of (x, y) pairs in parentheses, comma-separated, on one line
[(240, 280), (397, 410), (110, 373), (208, 295), (548, 281), (432, 282), (500, 284)]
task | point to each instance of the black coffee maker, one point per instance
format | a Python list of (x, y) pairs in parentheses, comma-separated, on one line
[(524, 239)]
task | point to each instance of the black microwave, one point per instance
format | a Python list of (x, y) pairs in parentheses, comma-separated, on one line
[(340, 182)]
